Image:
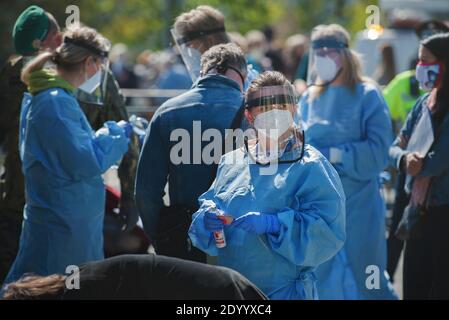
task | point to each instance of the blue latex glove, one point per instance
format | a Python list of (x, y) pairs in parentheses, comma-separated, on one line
[(258, 223), (114, 128), (212, 222), (127, 127)]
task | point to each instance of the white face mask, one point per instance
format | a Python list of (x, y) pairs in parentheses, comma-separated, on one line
[(326, 68), (91, 84), (274, 123)]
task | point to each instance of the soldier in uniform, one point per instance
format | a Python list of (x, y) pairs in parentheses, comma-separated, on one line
[(34, 30)]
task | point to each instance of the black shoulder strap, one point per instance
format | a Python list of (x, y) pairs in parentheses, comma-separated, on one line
[(235, 124)]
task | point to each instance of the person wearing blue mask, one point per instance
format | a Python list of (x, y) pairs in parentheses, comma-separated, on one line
[(174, 148), (63, 159), (285, 201), (346, 118)]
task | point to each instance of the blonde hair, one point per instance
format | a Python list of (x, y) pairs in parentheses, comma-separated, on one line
[(202, 18), (35, 287), (68, 56), (351, 73)]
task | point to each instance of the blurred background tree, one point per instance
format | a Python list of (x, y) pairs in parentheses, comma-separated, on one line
[(145, 24)]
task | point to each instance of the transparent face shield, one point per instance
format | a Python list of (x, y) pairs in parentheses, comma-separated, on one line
[(94, 89), (274, 136), (188, 49), (325, 61)]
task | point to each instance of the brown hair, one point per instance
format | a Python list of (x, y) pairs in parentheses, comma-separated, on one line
[(202, 18), (224, 54), (268, 79), (68, 56), (35, 287), (351, 64)]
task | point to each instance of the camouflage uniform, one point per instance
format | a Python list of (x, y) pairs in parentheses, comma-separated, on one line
[(114, 109), (12, 198)]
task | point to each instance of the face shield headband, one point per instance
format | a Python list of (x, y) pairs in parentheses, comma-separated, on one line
[(197, 34)]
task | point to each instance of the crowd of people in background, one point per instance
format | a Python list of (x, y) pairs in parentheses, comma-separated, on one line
[(313, 229), (165, 69)]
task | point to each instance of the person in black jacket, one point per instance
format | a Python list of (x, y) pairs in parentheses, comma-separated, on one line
[(138, 277)]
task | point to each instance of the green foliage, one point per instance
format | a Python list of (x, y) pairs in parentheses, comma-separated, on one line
[(145, 23), (245, 15)]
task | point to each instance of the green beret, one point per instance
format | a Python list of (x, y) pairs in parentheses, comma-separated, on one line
[(30, 29)]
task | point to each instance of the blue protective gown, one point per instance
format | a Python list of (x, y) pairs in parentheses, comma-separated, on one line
[(62, 161), (357, 126), (308, 199)]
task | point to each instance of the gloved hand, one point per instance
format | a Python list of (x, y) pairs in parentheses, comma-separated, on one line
[(127, 127), (212, 223), (258, 223), (114, 128)]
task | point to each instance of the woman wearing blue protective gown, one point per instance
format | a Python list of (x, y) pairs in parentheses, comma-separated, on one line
[(62, 160), (287, 204), (347, 119)]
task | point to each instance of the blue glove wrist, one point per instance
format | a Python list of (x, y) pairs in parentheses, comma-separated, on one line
[(258, 223), (212, 223)]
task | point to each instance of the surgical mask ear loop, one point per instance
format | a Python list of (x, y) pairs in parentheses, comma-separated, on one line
[(239, 73), (222, 68)]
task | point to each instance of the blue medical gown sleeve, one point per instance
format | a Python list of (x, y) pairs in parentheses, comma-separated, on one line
[(71, 149), (365, 159), (151, 177), (313, 231)]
